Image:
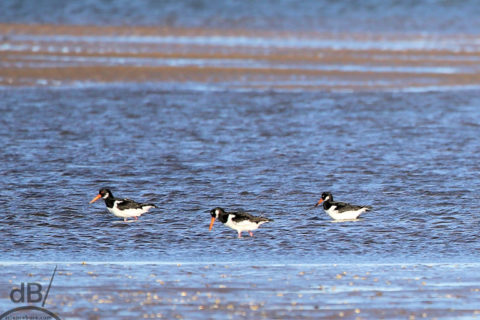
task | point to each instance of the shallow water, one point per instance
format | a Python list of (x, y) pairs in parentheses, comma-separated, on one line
[(250, 106), (414, 157), (368, 15), (247, 291)]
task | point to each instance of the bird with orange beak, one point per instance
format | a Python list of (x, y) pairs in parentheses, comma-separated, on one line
[(123, 208), (340, 210), (239, 221)]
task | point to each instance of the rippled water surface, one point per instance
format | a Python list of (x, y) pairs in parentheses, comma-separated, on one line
[(413, 156), (367, 15), (255, 106)]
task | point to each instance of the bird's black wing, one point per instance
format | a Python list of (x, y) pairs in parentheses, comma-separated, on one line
[(241, 216), (123, 204), (343, 207)]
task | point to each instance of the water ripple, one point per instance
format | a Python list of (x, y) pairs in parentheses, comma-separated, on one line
[(412, 156)]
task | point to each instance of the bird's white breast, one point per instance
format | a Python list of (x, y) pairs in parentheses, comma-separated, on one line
[(244, 225)]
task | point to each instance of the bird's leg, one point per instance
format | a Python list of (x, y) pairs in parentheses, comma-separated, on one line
[(250, 233), (239, 234)]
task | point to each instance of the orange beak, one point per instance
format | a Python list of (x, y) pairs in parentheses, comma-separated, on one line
[(96, 198), (319, 202), (211, 223)]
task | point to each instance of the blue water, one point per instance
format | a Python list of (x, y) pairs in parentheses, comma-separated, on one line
[(369, 15), (250, 291), (414, 157)]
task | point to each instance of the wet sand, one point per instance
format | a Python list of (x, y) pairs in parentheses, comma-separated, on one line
[(252, 291), (56, 55)]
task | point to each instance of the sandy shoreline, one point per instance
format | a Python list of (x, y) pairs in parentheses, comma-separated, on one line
[(237, 291), (48, 55)]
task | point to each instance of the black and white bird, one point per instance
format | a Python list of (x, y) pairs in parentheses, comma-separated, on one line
[(123, 208), (239, 221), (340, 210)]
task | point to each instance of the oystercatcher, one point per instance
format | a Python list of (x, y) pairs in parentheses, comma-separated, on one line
[(240, 221), (340, 210), (123, 208)]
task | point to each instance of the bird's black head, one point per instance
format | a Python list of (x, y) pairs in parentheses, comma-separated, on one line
[(215, 213), (326, 196), (103, 193)]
